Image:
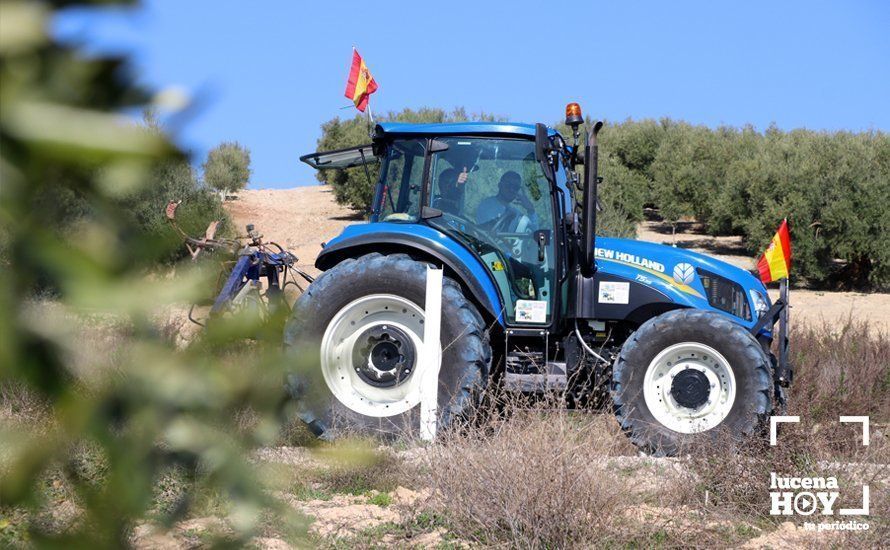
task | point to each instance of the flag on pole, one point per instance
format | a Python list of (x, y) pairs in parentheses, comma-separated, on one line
[(775, 263), (361, 84)]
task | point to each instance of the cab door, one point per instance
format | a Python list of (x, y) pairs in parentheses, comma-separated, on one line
[(491, 195)]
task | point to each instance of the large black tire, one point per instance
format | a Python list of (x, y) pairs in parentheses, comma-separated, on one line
[(466, 352), (749, 363)]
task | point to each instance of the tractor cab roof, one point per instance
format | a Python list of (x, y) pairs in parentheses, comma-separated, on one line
[(365, 154), (458, 128)]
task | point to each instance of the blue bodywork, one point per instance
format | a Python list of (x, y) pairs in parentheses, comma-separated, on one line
[(433, 241), (658, 272), (250, 266), (646, 263)]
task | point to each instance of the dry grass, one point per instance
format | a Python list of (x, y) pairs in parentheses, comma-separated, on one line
[(531, 474), (534, 475), (840, 370), (728, 483)]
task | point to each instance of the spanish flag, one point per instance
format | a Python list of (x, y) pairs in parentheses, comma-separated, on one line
[(776, 261), (361, 84)]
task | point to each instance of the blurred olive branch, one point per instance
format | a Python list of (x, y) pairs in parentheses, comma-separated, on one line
[(158, 409)]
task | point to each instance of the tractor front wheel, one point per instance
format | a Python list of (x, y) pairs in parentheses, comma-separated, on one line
[(689, 375), (356, 337)]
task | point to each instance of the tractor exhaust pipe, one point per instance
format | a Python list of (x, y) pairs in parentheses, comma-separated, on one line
[(588, 213)]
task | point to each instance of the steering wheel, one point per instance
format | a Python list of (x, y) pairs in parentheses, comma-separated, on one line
[(513, 229), (507, 221), (473, 229)]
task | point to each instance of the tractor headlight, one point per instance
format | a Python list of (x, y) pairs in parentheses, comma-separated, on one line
[(760, 304)]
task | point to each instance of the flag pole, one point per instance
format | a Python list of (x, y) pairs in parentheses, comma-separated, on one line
[(783, 321), (370, 119)]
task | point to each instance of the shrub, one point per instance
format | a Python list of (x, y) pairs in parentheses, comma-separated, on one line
[(832, 186), (161, 409), (173, 180), (840, 369), (622, 194), (227, 168), (66, 208), (525, 477)]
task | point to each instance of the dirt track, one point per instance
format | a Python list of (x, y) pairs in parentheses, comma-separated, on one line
[(301, 218)]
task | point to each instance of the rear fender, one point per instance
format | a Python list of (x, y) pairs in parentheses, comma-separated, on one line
[(424, 243)]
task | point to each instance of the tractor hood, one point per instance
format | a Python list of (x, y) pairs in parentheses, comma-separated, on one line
[(686, 277), (683, 277)]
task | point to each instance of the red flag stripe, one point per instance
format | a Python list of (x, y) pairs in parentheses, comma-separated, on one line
[(785, 239), (770, 265), (353, 74), (763, 268)]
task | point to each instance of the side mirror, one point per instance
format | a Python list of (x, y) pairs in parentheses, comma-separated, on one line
[(542, 150), (542, 143)]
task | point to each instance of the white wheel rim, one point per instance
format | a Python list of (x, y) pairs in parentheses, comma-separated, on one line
[(339, 341), (660, 400)]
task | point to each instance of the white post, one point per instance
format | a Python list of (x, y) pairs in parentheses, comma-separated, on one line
[(430, 357)]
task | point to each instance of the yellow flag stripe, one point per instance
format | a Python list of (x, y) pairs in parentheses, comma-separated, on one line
[(361, 85), (775, 258)]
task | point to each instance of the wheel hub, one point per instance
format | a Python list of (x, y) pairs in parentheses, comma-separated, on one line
[(352, 376), (690, 388), (383, 356)]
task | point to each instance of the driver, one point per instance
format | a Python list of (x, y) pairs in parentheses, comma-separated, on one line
[(449, 199), (501, 207)]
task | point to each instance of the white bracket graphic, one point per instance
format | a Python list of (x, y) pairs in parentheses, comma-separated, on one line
[(773, 420), (430, 357), (864, 421), (865, 492), (864, 510), (858, 511)]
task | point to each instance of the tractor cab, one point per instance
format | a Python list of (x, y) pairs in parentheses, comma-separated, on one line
[(488, 193), (483, 186)]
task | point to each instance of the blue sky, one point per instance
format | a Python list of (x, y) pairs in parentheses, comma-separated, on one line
[(269, 73)]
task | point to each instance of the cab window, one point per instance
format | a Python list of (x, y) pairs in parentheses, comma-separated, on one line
[(401, 178)]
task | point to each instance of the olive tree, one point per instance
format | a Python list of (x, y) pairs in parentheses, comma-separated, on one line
[(227, 168)]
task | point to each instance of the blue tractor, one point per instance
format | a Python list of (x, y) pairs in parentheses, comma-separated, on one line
[(677, 342)]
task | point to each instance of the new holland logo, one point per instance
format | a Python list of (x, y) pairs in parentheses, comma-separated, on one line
[(684, 273)]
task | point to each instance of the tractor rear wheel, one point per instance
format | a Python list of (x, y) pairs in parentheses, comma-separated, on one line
[(356, 337), (687, 376)]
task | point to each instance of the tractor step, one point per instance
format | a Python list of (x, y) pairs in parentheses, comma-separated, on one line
[(553, 378)]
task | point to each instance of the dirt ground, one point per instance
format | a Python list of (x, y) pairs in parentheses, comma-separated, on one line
[(301, 218)]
